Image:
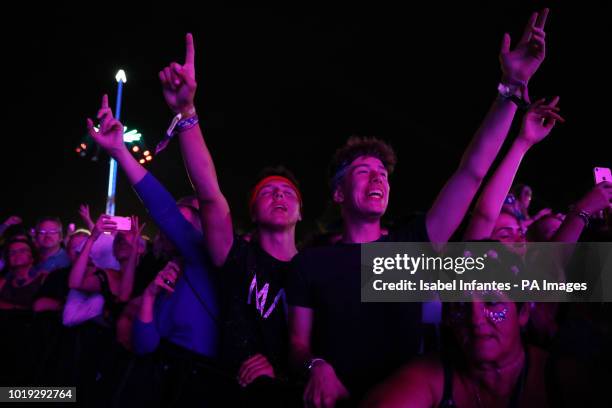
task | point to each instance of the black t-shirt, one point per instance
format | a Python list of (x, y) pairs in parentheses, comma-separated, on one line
[(255, 309), (364, 342)]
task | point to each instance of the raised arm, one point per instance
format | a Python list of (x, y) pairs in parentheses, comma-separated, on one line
[(145, 336), (518, 66), (128, 270), (179, 88), (599, 198), (110, 138), (78, 278), (537, 124), (86, 216), (158, 201)]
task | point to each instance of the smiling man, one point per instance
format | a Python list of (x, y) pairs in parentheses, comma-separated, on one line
[(48, 240), (347, 346), (355, 343)]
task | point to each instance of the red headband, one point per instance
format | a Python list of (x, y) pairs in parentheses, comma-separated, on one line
[(268, 179)]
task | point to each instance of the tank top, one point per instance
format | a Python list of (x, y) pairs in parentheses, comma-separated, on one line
[(447, 393)]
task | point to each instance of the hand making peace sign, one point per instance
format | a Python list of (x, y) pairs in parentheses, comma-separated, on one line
[(519, 65)]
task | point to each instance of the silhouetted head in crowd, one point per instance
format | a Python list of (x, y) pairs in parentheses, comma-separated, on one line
[(545, 228), (359, 175), (49, 235), (163, 248), (190, 209), (510, 230), (123, 245), (16, 232), (523, 194), (75, 244), (275, 201), (19, 254)]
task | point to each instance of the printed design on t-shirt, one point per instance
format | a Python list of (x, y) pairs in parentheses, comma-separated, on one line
[(261, 296)]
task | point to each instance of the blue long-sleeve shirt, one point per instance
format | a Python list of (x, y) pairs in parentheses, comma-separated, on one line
[(179, 317)]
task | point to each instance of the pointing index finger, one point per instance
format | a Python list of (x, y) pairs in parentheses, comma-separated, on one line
[(189, 50)]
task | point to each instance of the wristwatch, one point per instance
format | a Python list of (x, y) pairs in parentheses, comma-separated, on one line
[(514, 93)]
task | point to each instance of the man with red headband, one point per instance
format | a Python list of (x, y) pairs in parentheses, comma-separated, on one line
[(254, 334), (346, 346)]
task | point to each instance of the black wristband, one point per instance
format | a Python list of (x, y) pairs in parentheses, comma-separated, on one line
[(519, 102)]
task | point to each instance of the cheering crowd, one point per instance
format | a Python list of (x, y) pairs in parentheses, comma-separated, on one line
[(201, 316)]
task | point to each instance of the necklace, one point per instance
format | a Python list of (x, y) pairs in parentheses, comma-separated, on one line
[(475, 387)]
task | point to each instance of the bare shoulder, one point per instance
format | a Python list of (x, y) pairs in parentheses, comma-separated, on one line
[(419, 383)]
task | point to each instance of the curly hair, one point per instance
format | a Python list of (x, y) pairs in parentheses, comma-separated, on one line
[(357, 146)]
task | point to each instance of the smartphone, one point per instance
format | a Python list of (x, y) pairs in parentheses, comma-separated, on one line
[(602, 174), (123, 223)]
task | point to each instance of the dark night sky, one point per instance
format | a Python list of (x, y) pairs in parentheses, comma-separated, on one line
[(290, 87)]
